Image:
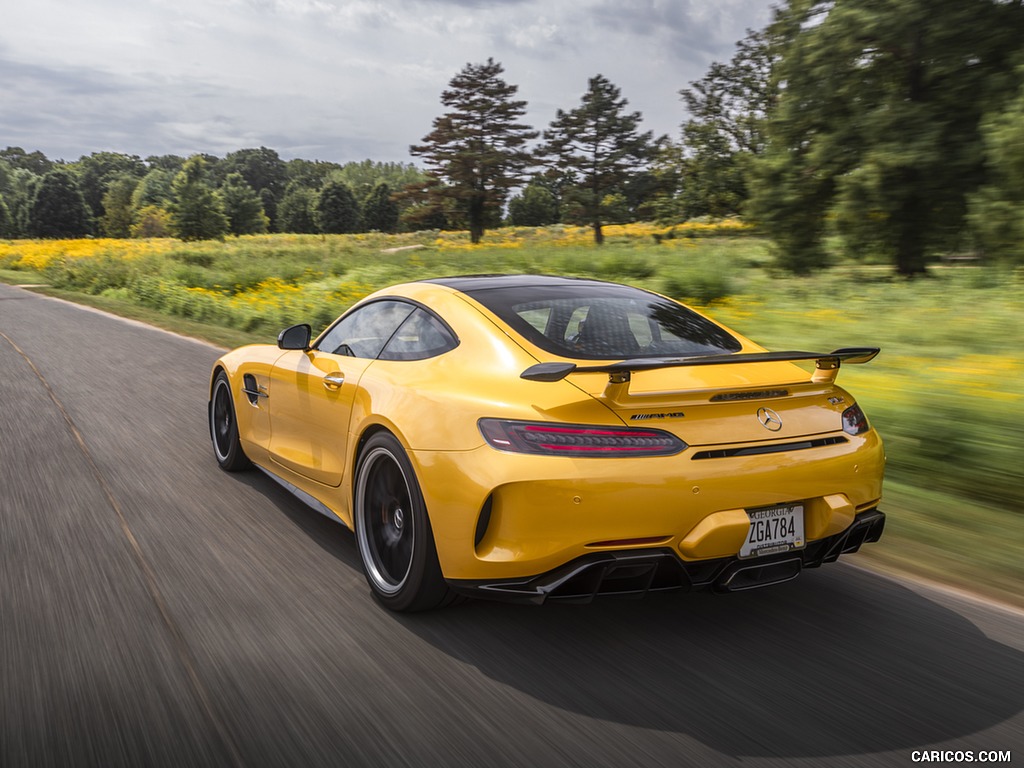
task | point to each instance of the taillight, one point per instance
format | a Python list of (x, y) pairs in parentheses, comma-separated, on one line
[(577, 439), (854, 421)]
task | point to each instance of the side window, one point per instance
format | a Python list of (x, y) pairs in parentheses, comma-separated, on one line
[(641, 327), (601, 328), (364, 332), (538, 318), (421, 336), (577, 319)]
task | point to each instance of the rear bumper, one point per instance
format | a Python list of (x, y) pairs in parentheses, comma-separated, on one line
[(637, 572), (506, 517)]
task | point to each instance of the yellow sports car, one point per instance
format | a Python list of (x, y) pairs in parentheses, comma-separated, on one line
[(540, 438)]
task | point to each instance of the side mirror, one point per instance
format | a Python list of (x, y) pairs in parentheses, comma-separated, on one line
[(295, 337)]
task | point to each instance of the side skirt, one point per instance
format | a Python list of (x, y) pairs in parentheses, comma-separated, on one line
[(302, 496)]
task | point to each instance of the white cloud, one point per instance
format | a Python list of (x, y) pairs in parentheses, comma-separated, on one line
[(330, 79)]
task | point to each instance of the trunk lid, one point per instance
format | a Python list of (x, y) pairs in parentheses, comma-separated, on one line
[(726, 404)]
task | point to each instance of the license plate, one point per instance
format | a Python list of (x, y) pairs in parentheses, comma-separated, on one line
[(773, 530)]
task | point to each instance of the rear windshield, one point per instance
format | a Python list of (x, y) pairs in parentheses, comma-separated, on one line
[(596, 321)]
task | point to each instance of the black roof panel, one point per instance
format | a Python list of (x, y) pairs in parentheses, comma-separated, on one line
[(586, 319), (470, 283)]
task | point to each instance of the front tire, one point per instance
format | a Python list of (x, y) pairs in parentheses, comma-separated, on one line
[(224, 427), (393, 532)]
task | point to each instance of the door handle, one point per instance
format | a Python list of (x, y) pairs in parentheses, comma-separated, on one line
[(334, 380)]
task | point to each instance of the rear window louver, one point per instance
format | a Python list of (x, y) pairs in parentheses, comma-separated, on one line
[(757, 450)]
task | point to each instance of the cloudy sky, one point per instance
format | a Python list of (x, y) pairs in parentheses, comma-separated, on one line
[(335, 80)]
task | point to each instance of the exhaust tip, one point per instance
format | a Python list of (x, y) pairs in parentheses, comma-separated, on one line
[(742, 577)]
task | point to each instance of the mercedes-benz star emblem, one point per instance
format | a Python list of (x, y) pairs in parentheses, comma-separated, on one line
[(769, 419)]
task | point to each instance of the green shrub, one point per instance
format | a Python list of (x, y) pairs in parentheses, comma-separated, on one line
[(626, 266), (193, 258), (698, 288), (92, 275)]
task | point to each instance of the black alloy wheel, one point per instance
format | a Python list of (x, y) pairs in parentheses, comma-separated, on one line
[(224, 427), (393, 532)]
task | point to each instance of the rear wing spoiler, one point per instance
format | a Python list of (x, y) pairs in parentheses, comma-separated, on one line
[(619, 373)]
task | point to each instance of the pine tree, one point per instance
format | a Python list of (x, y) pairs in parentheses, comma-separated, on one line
[(264, 171), (600, 145), (336, 211), (118, 211), (380, 212), (242, 206), (475, 153), (57, 208), (295, 213), (196, 212)]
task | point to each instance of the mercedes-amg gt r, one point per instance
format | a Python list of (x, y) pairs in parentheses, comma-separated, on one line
[(541, 438)]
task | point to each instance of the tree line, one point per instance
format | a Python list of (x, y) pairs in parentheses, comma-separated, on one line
[(594, 167), (893, 130), (250, 191)]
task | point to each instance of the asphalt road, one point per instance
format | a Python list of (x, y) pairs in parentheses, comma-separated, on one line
[(157, 611)]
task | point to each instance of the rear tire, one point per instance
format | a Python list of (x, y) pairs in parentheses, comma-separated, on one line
[(393, 532), (224, 427)]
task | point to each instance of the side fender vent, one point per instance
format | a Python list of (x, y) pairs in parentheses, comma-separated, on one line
[(253, 392), (249, 388)]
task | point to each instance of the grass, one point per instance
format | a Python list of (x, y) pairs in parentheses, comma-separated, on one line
[(214, 334), (947, 392), (956, 541), (20, 277)]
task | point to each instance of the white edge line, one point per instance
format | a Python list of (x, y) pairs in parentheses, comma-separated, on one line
[(128, 320), (904, 577)]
